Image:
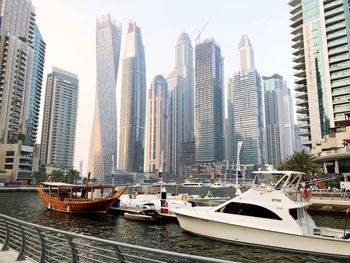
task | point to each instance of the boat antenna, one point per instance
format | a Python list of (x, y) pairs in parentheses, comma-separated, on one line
[(239, 146), (161, 170), (88, 179)]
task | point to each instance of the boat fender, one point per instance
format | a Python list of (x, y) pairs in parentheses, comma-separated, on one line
[(49, 206), (346, 236), (68, 208), (305, 194)]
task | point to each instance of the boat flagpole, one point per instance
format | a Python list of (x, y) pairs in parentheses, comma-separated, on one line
[(113, 169), (239, 146), (161, 170)]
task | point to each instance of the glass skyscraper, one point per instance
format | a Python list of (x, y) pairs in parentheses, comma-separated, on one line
[(279, 119), (176, 122), (156, 125), (103, 144), (133, 102), (321, 37), (59, 120), (247, 106), (209, 119), (34, 98)]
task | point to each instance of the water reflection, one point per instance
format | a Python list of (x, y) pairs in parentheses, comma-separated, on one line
[(169, 236)]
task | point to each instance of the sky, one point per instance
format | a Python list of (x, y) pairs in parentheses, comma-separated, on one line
[(69, 30)]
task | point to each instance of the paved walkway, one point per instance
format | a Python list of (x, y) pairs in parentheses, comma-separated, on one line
[(10, 256)]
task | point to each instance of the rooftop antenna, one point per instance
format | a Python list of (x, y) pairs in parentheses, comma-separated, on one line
[(198, 39)]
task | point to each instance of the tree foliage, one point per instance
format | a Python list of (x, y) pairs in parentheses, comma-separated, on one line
[(300, 162)]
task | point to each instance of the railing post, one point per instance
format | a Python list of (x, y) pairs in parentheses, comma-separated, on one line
[(119, 254), (72, 249), (23, 245), (5, 246), (42, 243)]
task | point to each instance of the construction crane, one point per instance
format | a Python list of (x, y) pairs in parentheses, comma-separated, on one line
[(198, 39)]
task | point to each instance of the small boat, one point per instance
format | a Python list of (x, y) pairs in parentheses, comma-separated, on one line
[(271, 215), (145, 213), (192, 184), (70, 198)]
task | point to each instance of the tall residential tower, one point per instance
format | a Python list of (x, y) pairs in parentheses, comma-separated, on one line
[(133, 102), (156, 125), (321, 50), (209, 119), (247, 106), (59, 120), (103, 144)]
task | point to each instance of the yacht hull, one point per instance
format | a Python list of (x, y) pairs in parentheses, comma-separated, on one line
[(254, 236)]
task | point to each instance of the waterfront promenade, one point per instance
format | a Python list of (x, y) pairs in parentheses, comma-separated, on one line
[(10, 256)]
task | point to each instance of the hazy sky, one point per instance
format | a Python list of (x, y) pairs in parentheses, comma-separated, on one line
[(69, 30)]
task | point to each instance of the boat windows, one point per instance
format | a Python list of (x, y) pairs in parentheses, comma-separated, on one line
[(248, 210), (294, 213)]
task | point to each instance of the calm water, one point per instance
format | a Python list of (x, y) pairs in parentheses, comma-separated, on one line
[(169, 236)]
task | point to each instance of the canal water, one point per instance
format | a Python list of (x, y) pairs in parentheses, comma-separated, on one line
[(168, 236)]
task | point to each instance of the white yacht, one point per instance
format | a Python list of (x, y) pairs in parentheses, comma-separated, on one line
[(268, 214), (192, 184)]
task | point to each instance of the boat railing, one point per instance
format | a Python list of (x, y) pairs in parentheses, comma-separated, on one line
[(323, 195), (44, 244)]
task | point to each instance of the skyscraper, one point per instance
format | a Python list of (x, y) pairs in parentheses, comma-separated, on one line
[(22, 52), (184, 66), (247, 104), (321, 40), (59, 120), (156, 125), (209, 141), (34, 98), (279, 119), (103, 144), (18, 35), (133, 100), (176, 122)]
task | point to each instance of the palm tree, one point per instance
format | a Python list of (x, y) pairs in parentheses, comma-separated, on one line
[(300, 162), (73, 176)]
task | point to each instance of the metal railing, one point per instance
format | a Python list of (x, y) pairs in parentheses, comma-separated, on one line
[(45, 244)]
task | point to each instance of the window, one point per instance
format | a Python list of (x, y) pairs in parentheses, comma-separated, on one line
[(249, 210)]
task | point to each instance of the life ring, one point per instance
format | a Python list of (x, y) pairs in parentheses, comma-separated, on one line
[(305, 194), (184, 198)]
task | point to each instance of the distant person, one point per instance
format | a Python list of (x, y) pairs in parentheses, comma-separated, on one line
[(49, 178)]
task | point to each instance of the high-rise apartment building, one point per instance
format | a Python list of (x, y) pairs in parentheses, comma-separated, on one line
[(209, 141), (184, 66), (156, 125), (176, 122), (133, 102), (22, 52), (59, 119), (32, 120), (279, 120), (20, 71), (321, 41), (247, 106), (103, 143)]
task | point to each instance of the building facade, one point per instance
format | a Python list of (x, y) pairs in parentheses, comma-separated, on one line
[(279, 119), (209, 119), (17, 29), (176, 122), (184, 66), (247, 107), (156, 125), (59, 119), (133, 102), (32, 120), (103, 143), (320, 36)]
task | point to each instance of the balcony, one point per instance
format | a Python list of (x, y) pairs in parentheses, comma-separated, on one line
[(300, 88), (302, 109), (332, 4)]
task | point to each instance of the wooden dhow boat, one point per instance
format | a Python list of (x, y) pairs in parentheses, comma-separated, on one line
[(70, 198)]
